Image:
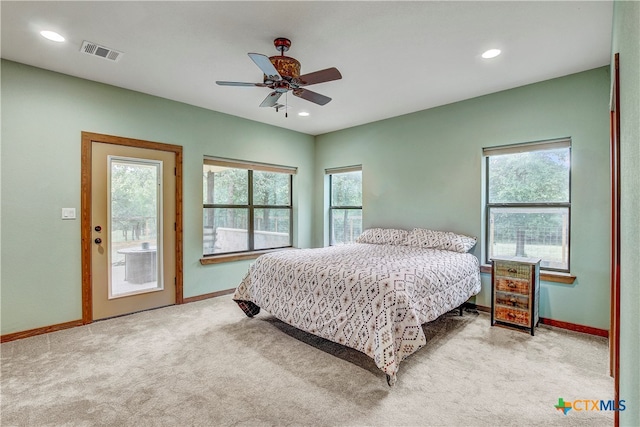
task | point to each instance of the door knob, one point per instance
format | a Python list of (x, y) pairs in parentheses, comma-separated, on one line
[(98, 228), (98, 241)]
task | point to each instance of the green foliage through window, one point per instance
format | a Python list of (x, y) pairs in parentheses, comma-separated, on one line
[(134, 198), (530, 177)]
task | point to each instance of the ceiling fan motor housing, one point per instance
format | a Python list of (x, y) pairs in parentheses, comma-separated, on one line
[(282, 44)]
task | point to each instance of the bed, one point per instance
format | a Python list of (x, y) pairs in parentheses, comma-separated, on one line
[(372, 295)]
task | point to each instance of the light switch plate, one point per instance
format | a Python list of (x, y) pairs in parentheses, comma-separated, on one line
[(68, 213)]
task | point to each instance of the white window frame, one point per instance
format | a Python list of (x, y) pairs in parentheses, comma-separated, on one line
[(521, 148), (331, 172)]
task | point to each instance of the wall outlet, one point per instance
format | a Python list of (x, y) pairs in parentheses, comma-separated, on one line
[(68, 213)]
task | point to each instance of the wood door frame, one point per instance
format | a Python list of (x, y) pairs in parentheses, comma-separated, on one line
[(85, 207), (614, 334)]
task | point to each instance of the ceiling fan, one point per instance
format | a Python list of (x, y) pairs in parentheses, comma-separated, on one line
[(282, 74)]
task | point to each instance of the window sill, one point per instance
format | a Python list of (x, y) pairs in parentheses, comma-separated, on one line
[(219, 259), (546, 276)]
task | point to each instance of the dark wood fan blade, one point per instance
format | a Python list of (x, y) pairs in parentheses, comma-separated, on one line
[(264, 63), (320, 77), (271, 100), (311, 96), (240, 84)]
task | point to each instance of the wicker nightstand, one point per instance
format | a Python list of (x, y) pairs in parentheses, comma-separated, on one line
[(515, 291)]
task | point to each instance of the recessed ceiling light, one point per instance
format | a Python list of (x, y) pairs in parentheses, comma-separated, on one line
[(491, 53), (52, 35), (303, 114)]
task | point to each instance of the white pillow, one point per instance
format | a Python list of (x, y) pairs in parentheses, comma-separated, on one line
[(447, 240), (383, 236)]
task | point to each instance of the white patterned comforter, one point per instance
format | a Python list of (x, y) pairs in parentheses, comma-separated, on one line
[(373, 298)]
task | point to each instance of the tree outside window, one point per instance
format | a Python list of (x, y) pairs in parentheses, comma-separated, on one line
[(346, 205), (528, 202)]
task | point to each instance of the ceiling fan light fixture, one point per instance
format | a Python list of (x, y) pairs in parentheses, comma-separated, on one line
[(52, 35), (286, 66), (491, 53)]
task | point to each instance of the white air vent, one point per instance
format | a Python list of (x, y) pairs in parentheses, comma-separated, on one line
[(94, 49)]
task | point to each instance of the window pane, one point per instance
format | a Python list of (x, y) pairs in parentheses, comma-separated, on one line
[(225, 186), (531, 232), (271, 188), (135, 210), (346, 225), (225, 230), (531, 177), (346, 189), (272, 228)]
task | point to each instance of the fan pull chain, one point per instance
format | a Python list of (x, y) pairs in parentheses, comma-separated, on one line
[(286, 107)]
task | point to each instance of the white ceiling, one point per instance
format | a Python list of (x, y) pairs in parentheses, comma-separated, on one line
[(395, 57)]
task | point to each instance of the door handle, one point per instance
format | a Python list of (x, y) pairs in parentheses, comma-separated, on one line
[(98, 228), (98, 241)]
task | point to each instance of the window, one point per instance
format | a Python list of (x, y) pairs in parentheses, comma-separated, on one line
[(528, 202), (246, 206), (345, 212)]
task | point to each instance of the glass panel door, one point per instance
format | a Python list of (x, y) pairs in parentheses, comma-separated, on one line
[(135, 224)]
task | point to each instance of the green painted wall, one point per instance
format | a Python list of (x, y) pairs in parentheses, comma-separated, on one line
[(425, 169), (43, 115), (626, 41)]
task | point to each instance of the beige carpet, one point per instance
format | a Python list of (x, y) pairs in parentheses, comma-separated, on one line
[(206, 364)]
